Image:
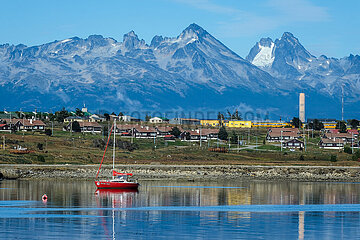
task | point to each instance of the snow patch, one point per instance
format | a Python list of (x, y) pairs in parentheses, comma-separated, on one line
[(66, 40), (265, 57)]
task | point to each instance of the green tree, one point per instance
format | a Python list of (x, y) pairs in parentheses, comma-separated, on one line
[(234, 116), (76, 126), (347, 150), (51, 117), (121, 114), (79, 113), (234, 137), (353, 123), (220, 117), (223, 135), (48, 132), (341, 126), (296, 122), (147, 118), (107, 116), (175, 131), (316, 125), (61, 115)]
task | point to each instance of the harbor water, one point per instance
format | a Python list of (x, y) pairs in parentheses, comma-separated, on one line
[(180, 210)]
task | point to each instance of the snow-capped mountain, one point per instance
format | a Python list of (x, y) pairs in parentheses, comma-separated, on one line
[(130, 73), (287, 60), (191, 71)]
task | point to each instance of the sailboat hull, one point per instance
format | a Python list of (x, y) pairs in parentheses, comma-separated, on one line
[(105, 184)]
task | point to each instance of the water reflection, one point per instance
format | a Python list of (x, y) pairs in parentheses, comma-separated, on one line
[(174, 209)]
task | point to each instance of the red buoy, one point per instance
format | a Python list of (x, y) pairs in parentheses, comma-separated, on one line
[(44, 197)]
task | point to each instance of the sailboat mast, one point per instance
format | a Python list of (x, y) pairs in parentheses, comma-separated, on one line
[(114, 146)]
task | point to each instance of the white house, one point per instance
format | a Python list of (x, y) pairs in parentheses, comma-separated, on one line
[(155, 120)]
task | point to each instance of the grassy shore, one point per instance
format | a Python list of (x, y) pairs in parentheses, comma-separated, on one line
[(78, 148)]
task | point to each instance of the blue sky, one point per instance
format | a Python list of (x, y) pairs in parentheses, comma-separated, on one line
[(322, 26)]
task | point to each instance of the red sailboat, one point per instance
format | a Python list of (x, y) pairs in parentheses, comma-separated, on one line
[(119, 180)]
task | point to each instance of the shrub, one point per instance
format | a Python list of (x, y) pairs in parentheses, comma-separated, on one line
[(333, 158), (40, 158), (347, 150), (48, 132), (40, 146), (356, 156), (301, 158)]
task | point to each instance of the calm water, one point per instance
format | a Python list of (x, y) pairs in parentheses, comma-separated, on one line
[(180, 210)]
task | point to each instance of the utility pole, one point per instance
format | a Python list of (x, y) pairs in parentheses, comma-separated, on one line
[(256, 142), (154, 142), (200, 137), (352, 143), (3, 142), (229, 143), (281, 140), (238, 142)]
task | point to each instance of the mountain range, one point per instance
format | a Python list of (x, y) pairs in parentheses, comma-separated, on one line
[(191, 72)]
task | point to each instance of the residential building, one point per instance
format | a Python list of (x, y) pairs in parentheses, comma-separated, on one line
[(30, 125), (210, 133), (144, 132), (293, 143), (169, 138), (4, 127), (196, 135), (97, 118), (163, 131), (87, 127), (346, 137), (282, 134), (193, 135), (326, 143), (155, 120), (90, 127), (76, 118), (354, 132), (125, 129), (127, 118)]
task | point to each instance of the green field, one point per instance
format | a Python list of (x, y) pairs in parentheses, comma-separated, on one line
[(78, 148)]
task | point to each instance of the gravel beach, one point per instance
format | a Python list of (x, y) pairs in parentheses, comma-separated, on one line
[(186, 172)]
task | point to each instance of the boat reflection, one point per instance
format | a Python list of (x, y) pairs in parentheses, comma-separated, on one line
[(115, 199)]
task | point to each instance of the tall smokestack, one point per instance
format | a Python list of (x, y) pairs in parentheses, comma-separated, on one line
[(302, 107)]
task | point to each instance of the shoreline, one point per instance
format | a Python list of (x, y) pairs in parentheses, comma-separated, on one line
[(185, 172)]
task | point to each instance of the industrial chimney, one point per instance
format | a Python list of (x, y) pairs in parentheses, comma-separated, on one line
[(302, 107)]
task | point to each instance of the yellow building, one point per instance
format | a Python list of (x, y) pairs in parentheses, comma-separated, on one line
[(237, 124), (227, 123), (210, 123), (329, 125), (270, 124)]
